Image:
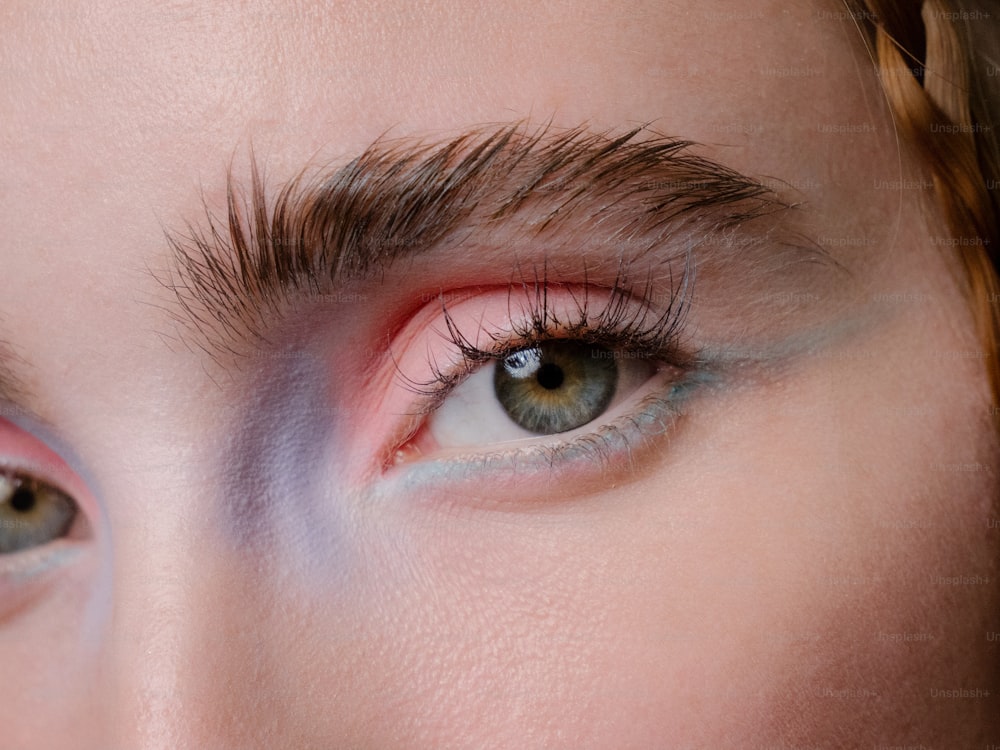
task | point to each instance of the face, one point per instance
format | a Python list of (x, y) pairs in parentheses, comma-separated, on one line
[(526, 436)]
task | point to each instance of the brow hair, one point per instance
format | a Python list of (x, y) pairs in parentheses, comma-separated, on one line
[(17, 397), (401, 198)]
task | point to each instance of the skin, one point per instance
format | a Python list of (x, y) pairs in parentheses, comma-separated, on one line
[(744, 584)]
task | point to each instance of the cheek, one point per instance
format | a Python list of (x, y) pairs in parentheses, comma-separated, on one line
[(839, 559), (810, 559), (52, 697)]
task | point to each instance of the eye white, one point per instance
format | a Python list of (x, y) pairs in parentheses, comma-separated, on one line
[(472, 415)]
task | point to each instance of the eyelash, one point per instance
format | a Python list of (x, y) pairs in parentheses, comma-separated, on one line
[(622, 323)]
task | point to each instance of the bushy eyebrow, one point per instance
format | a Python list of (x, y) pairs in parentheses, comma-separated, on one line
[(403, 198)]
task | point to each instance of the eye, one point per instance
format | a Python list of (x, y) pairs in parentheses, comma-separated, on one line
[(32, 513), (543, 374), (541, 390)]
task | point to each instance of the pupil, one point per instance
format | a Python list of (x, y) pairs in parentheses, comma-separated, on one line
[(550, 376), (23, 500)]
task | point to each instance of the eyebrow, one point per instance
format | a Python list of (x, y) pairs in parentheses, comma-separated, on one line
[(17, 399), (403, 198)]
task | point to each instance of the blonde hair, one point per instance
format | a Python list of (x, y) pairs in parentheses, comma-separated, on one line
[(939, 62)]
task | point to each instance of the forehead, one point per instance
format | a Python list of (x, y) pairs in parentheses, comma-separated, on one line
[(146, 76), (119, 112)]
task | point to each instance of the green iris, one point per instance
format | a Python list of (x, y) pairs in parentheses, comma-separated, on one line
[(32, 513), (556, 386)]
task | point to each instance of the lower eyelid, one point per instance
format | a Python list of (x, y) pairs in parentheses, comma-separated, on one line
[(571, 464), (24, 566)]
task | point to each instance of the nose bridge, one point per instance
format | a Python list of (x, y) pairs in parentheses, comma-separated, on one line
[(184, 661)]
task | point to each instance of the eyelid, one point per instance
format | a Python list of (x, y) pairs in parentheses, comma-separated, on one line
[(21, 452), (26, 575), (568, 470), (497, 319)]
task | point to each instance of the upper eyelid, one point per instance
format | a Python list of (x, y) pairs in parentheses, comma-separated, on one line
[(619, 327)]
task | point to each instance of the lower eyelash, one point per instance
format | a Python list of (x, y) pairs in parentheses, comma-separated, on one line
[(595, 453)]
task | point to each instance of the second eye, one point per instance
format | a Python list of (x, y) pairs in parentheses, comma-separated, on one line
[(32, 513)]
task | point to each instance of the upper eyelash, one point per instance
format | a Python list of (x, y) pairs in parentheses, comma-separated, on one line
[(621, 323)]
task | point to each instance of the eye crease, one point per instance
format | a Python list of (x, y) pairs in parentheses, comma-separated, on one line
[(32, 513)]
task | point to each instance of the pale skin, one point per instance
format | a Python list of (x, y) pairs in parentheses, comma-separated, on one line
[(750, 580)]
